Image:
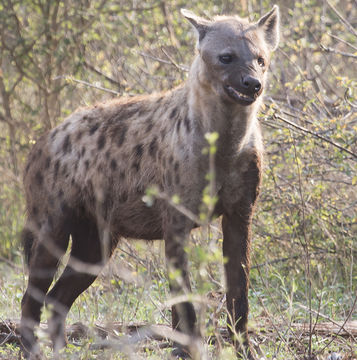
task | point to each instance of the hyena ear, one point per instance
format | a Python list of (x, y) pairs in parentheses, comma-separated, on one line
[(201, 25), (269, 23)]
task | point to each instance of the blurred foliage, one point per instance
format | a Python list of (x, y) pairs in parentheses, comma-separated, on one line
[(58, 55)]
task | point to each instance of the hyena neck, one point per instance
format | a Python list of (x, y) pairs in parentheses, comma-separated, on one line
[(234, 123)]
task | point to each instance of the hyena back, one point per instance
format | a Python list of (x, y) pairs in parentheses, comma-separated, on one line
[(87, 177)]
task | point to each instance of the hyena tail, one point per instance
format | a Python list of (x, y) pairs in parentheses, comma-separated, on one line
[(27, 241)]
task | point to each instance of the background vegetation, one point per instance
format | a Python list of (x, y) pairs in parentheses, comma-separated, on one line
[(58, 55)]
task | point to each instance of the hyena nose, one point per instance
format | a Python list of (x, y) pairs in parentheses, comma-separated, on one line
[(252, 84)]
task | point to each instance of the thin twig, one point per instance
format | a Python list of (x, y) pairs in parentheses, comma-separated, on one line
[(318, 313), (98, 72), (342, 326), (332, 50), (276, 116), (343, 41), (155, 58), (173, 62), (71, 78), (345, 22)]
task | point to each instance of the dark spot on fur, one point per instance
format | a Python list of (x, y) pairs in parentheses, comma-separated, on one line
[(177, 178), (93, 128), (101, 142), (136, 166), (122, 175), (173, 113), (153, 147), (56, 168), (121, 134), (178, 125), (64, 207), (35, 210), (47, 162), (79, 135), (83, 151), (27, 168), (113, 165), (176, 167), (171, 159), (149, 126), (107, 154), (67, 146), (187, 124), (86, 164), (54, 133), (75, 167), (64, 169), (138, 150), (141, 110), (60, 193), (123, 197), (39, 178), (163, 134), (36, 154), (64, 128)]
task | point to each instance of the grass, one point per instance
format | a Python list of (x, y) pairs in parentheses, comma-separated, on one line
[(277, 302)]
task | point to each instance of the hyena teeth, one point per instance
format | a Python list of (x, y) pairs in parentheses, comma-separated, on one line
[(244, 96)]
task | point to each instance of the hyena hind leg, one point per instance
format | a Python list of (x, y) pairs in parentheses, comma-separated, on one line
[(44, 249), (84, 265)]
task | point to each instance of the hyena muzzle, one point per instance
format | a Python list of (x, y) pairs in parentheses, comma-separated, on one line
[(86, 178)]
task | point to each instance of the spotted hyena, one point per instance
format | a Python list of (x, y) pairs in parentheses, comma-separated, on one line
[(86, 178)]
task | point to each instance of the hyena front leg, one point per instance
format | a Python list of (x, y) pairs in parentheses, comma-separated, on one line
[(236, 225), (176, 231)]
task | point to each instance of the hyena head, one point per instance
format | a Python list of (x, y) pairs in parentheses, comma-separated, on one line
[(234, 54)]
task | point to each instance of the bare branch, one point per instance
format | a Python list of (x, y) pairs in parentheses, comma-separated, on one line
[(332, 50), (276, 116), (344, 21), (343, 41), (98, 72), (70, 78)]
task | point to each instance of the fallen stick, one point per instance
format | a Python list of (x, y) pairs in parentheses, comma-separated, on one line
[(135, 333)]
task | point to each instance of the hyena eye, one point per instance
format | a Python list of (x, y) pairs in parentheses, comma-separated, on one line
[(261, 62), (225, 58)]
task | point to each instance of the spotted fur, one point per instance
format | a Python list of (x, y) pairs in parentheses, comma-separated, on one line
[(87, 177)]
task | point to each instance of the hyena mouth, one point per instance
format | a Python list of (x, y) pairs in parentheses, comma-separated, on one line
[(238, 96)]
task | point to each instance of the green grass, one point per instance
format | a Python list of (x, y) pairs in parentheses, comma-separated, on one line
[(278, 300)]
